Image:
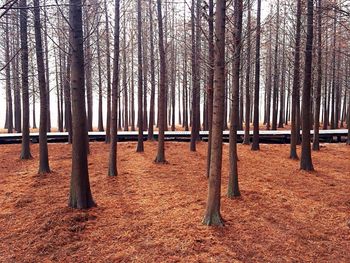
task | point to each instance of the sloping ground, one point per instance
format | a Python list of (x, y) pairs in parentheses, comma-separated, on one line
[(152, 213)]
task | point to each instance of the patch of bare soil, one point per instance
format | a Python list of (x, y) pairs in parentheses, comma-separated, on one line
[(152, 213)]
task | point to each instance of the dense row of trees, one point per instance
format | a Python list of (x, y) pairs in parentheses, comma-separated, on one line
[(216, 65)]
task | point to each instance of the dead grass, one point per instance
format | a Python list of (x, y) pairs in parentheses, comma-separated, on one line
[(152, 213)]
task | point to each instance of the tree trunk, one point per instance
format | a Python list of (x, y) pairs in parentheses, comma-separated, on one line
[(43, 149), (88, 70), (108, 60), (316, 141), (196, 20), (212, 215), (112, 170), (125, 84), (47, 71), (276, 72), (163, 80), (139, 82), (333, 121), (25, 152), (99, 68), (296, 86), (67, 98), (17, 86), (210, 84), (306, 161), (80, 194), (233, 187), (283, 75), (153, 80), (9, 108), (255, 145), (246, 140)]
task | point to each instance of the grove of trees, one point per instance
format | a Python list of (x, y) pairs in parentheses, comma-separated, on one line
[(192, 65)]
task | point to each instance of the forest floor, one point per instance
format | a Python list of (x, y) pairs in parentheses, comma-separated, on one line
[(152, 213)]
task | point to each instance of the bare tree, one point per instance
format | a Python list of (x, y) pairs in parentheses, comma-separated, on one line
[(255, 145), (316, 139), (112, 170), (212, 214), (233, 187), (25, 153), (43, 149), (139, 82), (306, 161), (162, 88), (296, 87), (80, 194)]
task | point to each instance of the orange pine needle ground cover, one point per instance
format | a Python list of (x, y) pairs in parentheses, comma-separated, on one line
[(152, 213)]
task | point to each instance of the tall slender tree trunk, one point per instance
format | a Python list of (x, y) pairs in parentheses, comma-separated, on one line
[(108, 60), (47, 70), (316, 140), (67, 97), (212, 216), (139, 75), (333, 121), (210, 88), (185, 80), (276, 72), (246, 140), (9, 108), (145, 76), (17, 86), (43, 149), (152, 71), (269, 82), (112, 169), (88, 71), (80, 194), (306, 161), (132, 103), (60, 127), (196, 20), (125, 83), (25, 152), (233, 187), (296, 86), (160, 158), (99, 69), (283, 75), (255, 145)]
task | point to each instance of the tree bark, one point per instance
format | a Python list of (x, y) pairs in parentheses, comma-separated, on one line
[(316, 140), (9, 106), (153, 80), (112, 170), (47, 71), (99, 69), (43, 149), (246, 140), (80, 194), (255, 145), (108, 61), (276, 72), (212, 215), (195, 28), (210, 88), (233, 187), (162, 88), (139, 83), (296, 86), (25, 152), (306, 161)]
